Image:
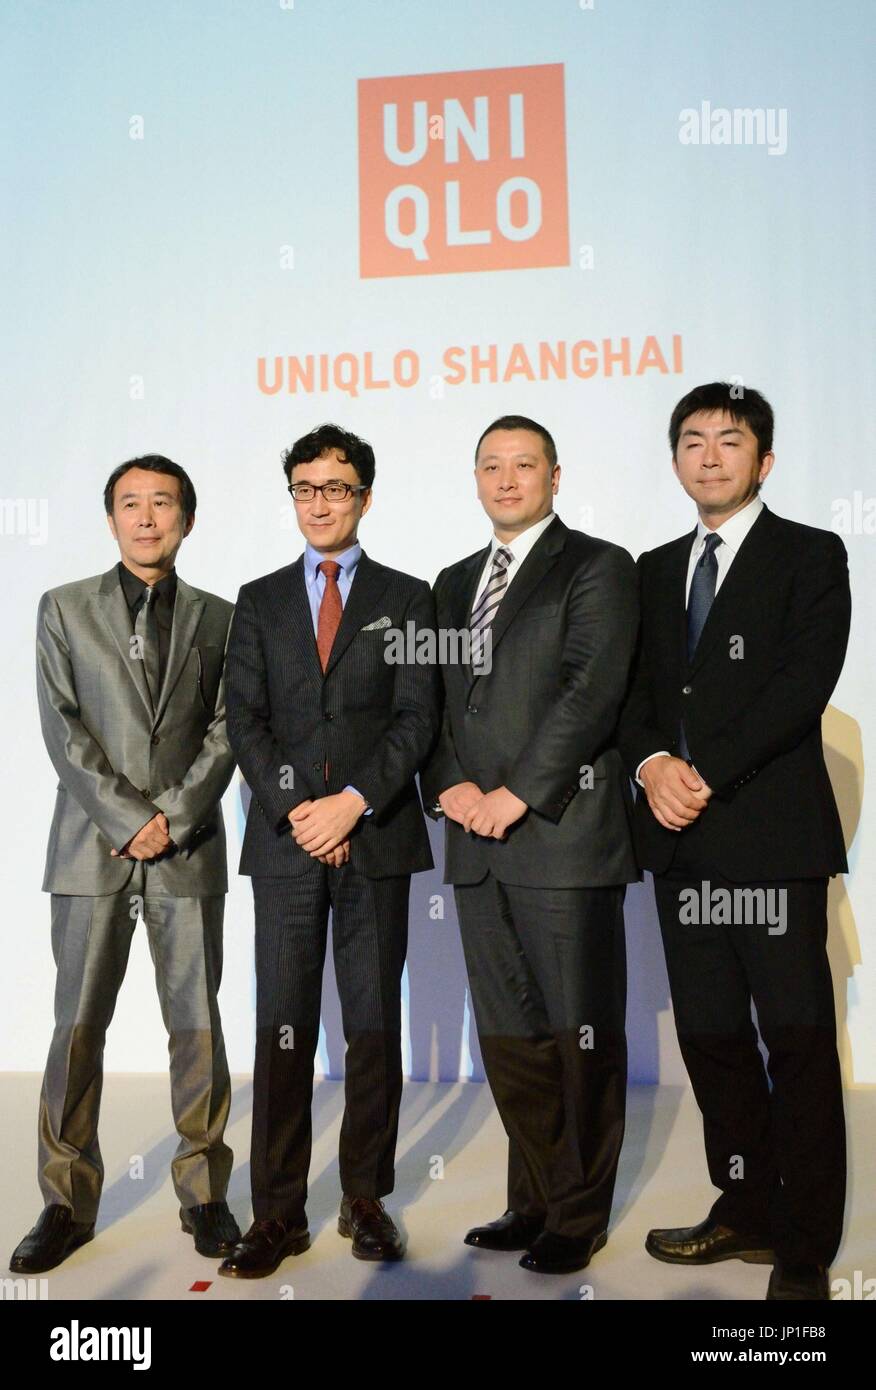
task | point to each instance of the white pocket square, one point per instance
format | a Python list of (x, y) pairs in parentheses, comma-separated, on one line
[(379, 622)]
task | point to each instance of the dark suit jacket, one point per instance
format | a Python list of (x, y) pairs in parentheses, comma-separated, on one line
[(753, 723), (373, 721), (562, 644)]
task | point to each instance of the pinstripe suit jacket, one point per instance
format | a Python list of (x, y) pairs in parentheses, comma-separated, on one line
[(372, 722), (118, 762)]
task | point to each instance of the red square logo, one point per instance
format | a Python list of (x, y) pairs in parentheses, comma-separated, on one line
[(463, 171)]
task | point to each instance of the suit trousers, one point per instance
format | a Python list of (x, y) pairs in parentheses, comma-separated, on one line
[(91, 941), (547, 970), (775, 1138), (369, 937)]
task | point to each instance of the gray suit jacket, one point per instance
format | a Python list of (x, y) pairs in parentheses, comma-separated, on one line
[(118, 762)]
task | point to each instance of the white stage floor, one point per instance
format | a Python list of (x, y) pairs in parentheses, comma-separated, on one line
[(139, 1251)]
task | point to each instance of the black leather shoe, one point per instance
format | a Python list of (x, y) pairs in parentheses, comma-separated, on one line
[(263, 1248), (798, 1283), (373, 1232), (706, 1244), (513, 1231), (55, 1236), (553, 1254), (215, 1230)]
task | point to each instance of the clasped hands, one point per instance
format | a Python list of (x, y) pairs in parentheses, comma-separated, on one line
[(486, 813), (151, 840), (676, 793), (322, 827)]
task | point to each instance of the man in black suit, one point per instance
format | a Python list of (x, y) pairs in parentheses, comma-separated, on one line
[(745, 623), (329, 734), (538, 840)]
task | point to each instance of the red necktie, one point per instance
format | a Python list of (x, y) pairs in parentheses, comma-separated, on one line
[(330, 611)]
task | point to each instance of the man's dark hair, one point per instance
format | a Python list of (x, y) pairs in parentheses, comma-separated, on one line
[(356, 451), (153, 463), (522, 422), (749, 408)]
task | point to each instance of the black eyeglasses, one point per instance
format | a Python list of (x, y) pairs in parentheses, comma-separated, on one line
[(332, 492)]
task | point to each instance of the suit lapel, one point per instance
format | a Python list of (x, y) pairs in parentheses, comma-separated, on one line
[(369, 582), (464, 585), (188, 609), (541, 558), (751, 555), (115, 614), (677, 594), (295, 609)]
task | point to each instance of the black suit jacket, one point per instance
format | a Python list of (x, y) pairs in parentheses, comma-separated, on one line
[(374, 722), (562, 644), (753, 722)]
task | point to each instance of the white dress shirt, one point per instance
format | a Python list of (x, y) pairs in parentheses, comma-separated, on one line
[(519, 549), (732, 533)]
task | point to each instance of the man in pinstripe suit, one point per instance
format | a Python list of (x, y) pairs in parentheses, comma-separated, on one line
[(329, 736)]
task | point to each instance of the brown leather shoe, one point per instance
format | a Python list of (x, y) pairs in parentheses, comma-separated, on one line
[(706, 1244), (263, 1248), (371, 1227), (55, 1236)]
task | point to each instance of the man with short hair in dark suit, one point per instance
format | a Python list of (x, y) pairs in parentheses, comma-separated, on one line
[(329, 732), (538, 840), (745, 623)]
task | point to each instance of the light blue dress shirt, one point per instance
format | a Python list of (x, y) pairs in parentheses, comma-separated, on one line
[(314, 580)]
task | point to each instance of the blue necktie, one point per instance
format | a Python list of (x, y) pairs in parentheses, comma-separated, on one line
[(700, 600), (702, 593)]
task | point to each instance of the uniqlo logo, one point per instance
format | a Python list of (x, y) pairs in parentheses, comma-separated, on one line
[(463, 171)]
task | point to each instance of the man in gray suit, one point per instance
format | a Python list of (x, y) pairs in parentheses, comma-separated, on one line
[(131, 699)]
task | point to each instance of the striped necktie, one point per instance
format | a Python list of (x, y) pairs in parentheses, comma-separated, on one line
[(485, 609)]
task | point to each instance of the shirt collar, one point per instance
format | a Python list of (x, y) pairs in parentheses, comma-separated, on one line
[(734, 530), (348, 559), (134, 587), (523, 543)]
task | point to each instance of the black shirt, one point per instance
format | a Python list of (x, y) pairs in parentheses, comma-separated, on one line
[(165, 597)]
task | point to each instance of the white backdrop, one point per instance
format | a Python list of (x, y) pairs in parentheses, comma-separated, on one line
[(198, 186)]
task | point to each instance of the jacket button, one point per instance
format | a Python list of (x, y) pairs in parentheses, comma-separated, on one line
[(328, 716), (146, 791), (156, 738), (472, 709), (317, 767), (687, 690)]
